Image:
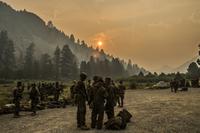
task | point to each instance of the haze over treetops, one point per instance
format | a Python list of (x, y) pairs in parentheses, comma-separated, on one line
[(152, 33)]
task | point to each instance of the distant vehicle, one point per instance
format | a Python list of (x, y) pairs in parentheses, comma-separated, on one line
[(161, 85)]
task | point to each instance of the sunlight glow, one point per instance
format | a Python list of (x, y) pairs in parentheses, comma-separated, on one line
[(100, 43)]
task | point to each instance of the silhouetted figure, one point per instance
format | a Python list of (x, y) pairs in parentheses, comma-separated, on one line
[(111, 99), (17, 96), (81, 102), (122, 89), (57, 91), (99, 95), (34, 96), (72, 92), (176, 85)]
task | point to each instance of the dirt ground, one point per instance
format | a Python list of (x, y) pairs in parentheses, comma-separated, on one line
[(154, 111)]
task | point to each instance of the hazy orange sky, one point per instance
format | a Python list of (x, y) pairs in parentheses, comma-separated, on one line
[(153, 33)]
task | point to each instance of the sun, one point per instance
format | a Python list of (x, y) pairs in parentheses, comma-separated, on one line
[(100, 43)]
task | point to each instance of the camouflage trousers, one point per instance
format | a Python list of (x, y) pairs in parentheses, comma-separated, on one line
[(97, 116), (81, 112), (110, 111), (121, 100), (34, 106), (17, 107)]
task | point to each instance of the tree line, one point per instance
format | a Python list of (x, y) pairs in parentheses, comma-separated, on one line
[(105, 68), (62, 65)]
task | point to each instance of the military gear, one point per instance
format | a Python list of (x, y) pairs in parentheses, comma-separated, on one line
[(119, 122), (115, 123), (125, 115)]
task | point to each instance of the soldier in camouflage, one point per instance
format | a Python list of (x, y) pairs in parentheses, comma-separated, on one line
[(82, 97), (17, 94), (34, 96), (122, 89), (99, 95), (111, 98)]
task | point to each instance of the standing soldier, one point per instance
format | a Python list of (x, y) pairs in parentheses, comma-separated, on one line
[(89, 90), (90, 93), (99, 95), (17, 94), (122, 89), (72, 92), (176, 85), (42, 92), (116, 92), (81, 102), (57, 91), (172, 85), (111, 99), (34, 96)]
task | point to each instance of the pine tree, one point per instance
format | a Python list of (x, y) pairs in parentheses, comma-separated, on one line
[(7, 56), (29, 60), (72, 38), (193, 71), (46, 66), (68, 63), (130, 68), (57, 61)]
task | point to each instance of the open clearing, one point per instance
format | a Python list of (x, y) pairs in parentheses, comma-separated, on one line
[(154, 111)]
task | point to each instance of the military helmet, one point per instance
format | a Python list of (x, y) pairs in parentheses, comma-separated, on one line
[(83, 75), (95, 78), (108, 79), (33, 85), (19, 83)]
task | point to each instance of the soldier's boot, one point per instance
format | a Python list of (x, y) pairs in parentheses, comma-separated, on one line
[(94, 117), (78, 121), (34, 113), (16, 116), (84, 127), (100, 120)]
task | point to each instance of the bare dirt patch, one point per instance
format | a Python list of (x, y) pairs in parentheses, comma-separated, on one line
[(154, 111)]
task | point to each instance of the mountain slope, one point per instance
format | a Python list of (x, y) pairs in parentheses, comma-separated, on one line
[(24, 27)]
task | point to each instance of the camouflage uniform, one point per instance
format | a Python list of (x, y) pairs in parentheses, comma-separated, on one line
[(99, 95), (17, 94), (34, 96), (89, 90), (57, 92), (176, 86), (111, 99), (81, 101), (121, 94), (172, 86), (72, 92)]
